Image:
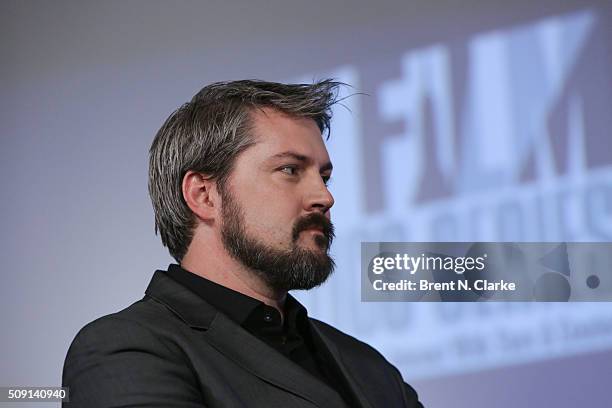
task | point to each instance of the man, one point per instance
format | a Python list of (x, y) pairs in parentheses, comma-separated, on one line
[(238, 179)]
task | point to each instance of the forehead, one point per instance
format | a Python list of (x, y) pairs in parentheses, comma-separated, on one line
[(275, 132)]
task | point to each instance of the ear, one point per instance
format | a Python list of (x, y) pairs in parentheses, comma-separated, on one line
[(200, 194)]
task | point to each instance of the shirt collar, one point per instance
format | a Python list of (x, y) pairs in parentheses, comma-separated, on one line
[(237, 306)]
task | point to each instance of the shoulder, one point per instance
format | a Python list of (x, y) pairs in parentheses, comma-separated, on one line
[(128, 356), (144, 319), (349, 344), (369, 367), (143, 328)]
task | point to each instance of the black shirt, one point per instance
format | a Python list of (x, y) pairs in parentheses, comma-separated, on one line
[(292, 338)]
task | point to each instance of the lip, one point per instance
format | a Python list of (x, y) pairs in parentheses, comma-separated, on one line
[(315, 229)]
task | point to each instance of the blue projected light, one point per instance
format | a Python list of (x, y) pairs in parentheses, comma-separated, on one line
[(503, 144)]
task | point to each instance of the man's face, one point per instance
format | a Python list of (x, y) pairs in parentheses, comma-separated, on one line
[(275, 205)]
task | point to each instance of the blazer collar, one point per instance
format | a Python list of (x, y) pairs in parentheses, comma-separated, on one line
[(188, 306)]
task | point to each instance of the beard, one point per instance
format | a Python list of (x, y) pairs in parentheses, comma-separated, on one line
[(281, 269)]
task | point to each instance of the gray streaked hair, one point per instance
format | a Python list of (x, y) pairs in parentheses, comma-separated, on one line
[(207, 134)]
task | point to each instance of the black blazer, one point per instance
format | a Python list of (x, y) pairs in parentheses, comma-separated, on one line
[(172, 349)]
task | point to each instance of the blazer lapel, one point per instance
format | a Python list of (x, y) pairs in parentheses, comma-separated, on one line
[(237, 344), (266, 363)]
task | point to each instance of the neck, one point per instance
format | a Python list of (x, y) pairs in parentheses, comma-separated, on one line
[(218, 266)]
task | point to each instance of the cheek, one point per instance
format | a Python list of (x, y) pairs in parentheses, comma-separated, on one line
[(271, 216), (270, 206), (269, 198)]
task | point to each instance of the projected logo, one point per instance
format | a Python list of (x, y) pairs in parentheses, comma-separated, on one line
[(499, 136), (506, 131)]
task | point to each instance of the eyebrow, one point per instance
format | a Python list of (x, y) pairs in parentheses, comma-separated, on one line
[(302, 158)]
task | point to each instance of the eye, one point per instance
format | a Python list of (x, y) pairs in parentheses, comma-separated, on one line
[(290, 170), (326, 180)]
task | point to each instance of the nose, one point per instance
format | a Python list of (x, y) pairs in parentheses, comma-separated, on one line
[(319, 197)]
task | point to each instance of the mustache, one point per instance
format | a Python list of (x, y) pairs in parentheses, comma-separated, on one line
[(314, 220)]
